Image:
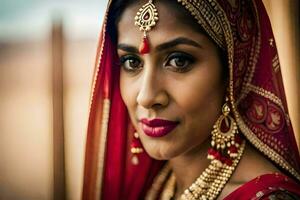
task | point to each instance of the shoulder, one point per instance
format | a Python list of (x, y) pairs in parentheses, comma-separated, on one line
[(274, 186), (252, 165), (256, 176)]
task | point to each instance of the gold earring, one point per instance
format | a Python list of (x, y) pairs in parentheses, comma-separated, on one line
[(146, 18), (136, 148), (225, 140)]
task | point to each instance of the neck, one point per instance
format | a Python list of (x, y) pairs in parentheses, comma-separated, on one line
[(188, 166)]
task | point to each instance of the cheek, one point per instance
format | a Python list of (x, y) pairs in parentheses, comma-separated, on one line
[(201, 98), (204, 87), (125, 89), (128, 94)]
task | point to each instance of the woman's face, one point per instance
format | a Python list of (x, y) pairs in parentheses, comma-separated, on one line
[(180, 80)]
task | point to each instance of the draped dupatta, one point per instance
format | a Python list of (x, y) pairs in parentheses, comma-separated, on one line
[(243, 30), (109, 173)]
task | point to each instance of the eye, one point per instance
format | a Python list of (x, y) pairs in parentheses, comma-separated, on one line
[(179, 61), (130, 63)]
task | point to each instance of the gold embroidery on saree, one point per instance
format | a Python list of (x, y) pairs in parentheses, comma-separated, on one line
[(105, 109), (271, 42), (203, 13), (267, 94), (275, 63), (103, 139)]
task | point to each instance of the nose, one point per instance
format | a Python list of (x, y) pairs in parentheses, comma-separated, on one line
[(152, 93)]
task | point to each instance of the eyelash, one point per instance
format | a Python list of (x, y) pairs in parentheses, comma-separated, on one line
[(128, 58), (186, 58)]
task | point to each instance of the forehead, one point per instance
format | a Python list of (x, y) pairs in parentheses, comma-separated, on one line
[(166, 9), (173, 19)]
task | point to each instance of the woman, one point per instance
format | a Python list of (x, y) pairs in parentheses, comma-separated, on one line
[(188, 103)]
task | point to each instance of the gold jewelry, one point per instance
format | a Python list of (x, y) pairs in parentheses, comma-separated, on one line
[(136, 148), (146, 18), (224, 130), (225, 140), (211, 182), (169, 189), (206, 187)]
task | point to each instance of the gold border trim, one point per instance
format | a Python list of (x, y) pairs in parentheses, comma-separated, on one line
[(105, 108), (254, 54), (267, 94), (266, 150), (99, 56), (103, 139), (202, 12)]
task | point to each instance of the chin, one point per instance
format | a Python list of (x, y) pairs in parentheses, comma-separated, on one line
[(164, 153), (160, 157)]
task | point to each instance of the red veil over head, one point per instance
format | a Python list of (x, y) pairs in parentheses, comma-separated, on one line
[(257, 98)]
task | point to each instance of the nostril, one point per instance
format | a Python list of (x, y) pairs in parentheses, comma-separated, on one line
[(154, 101), (157, 106)]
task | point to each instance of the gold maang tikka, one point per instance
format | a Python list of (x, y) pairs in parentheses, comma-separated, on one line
[(146, 18)]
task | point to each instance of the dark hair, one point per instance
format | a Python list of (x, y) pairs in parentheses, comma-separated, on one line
[(118, 6), (116, 10)]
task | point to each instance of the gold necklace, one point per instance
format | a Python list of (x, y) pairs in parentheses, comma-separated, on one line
[(206, 187), (214, 178)]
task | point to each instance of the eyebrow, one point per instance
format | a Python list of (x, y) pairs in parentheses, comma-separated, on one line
[(164, 46), (177, 41), (127, 48)]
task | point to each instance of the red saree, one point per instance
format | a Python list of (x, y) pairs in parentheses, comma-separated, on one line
[(268, 186), (242, 28)]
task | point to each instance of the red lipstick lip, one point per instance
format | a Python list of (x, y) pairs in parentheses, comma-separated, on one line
[(157, 127), (158, 122)]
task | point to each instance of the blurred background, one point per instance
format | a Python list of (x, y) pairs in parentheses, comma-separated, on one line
[(47, 52)]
